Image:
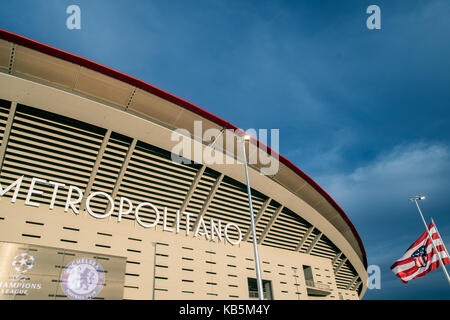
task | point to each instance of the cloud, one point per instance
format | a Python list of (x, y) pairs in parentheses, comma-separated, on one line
[(375, 197), (404, 171)]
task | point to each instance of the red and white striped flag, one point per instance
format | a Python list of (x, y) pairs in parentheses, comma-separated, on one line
[(421, 258)]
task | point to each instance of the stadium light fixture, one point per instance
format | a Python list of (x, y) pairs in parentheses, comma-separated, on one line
[(417, 198)]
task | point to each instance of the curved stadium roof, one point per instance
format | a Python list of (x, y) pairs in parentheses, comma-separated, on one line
[(335, 215)]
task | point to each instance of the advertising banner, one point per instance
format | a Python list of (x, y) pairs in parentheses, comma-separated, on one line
[(41, 273)]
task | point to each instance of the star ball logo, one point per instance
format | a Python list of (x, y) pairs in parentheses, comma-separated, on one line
[(23, 262), (82, 279)]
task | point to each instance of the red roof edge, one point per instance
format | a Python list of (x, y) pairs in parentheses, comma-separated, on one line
[(32, 44)]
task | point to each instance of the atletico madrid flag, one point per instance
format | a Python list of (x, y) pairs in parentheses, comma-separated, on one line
[(421, 258)]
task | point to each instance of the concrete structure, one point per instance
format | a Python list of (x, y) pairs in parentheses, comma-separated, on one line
[(69, 120)]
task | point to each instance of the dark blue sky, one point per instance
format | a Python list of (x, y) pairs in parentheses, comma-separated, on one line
[(364, 112)]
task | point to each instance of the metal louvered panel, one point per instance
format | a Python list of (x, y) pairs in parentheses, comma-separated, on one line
[(345, 275), (230, 204), (4, 110), (287, 231), (152, 177), (282, 238), (265, 219), (50, 147), (355, 285), (309, 240), (319, 251), (339, 261), (201, 194), (324, 248), (109, 170), (290, 226), (347, 270)]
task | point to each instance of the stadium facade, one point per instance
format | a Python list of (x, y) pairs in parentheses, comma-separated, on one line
[(93, 206)]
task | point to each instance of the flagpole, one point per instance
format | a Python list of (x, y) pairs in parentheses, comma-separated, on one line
[(252, 222), (429, 235), (443, 243)]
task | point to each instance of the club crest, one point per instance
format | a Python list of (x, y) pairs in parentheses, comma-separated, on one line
[(82, 279), (420, 257)]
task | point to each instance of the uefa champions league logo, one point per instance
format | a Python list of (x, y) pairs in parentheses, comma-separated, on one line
[(82, 279), (23, 262), (20, 284)]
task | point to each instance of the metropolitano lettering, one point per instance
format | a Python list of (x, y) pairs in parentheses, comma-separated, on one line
[(75, 197)]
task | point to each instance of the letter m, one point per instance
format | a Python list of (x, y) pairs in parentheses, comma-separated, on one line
[(250, 309), (16, 184)]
